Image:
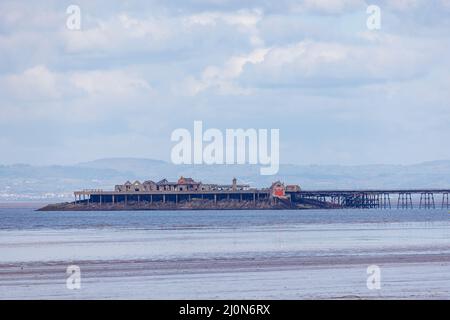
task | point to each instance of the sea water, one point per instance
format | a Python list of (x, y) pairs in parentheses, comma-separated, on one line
[(273, 254)]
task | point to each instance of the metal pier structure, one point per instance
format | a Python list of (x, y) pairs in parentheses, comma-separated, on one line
[(381, 199), (365, 199)]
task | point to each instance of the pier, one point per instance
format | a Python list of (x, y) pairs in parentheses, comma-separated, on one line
[(113, 197), (381, 199), (290, 196)]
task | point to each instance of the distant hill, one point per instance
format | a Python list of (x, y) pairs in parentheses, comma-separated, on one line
[(49, 183), (128, 166)]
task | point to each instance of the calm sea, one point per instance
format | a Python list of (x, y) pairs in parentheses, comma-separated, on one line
[(29, 219), (225, 254)]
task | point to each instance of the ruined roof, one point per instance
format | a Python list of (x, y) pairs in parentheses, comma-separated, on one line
[(163, 181), (183, 180)]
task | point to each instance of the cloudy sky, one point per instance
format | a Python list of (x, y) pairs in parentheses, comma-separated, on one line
[(339, 92)]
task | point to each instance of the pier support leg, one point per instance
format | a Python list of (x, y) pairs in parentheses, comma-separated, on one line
[(387, 201), (432, 199), (404, 201), (427, 200), (410, 201), (421, 199), (445, 203)]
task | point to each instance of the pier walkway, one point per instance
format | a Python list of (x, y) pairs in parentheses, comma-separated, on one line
[(371, 198)]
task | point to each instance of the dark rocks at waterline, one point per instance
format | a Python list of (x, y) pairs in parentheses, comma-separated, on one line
[(184, 205)]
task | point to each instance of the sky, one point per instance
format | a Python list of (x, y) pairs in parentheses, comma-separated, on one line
[(339, 92)]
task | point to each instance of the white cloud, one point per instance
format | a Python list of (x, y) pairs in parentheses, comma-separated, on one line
[(319, 64), (109, 83), (222, 78), (40, 83), (120, 32), (124, 32), (245, 18), (34, 83), (404, 5), (324, 64), (330, 6)]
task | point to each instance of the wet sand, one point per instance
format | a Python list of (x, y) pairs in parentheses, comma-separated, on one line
[(326, 277)]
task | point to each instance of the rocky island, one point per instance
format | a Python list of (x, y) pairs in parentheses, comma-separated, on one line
[(188, 194)]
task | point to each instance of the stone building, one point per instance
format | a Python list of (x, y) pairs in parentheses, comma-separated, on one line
[(182, 185)]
